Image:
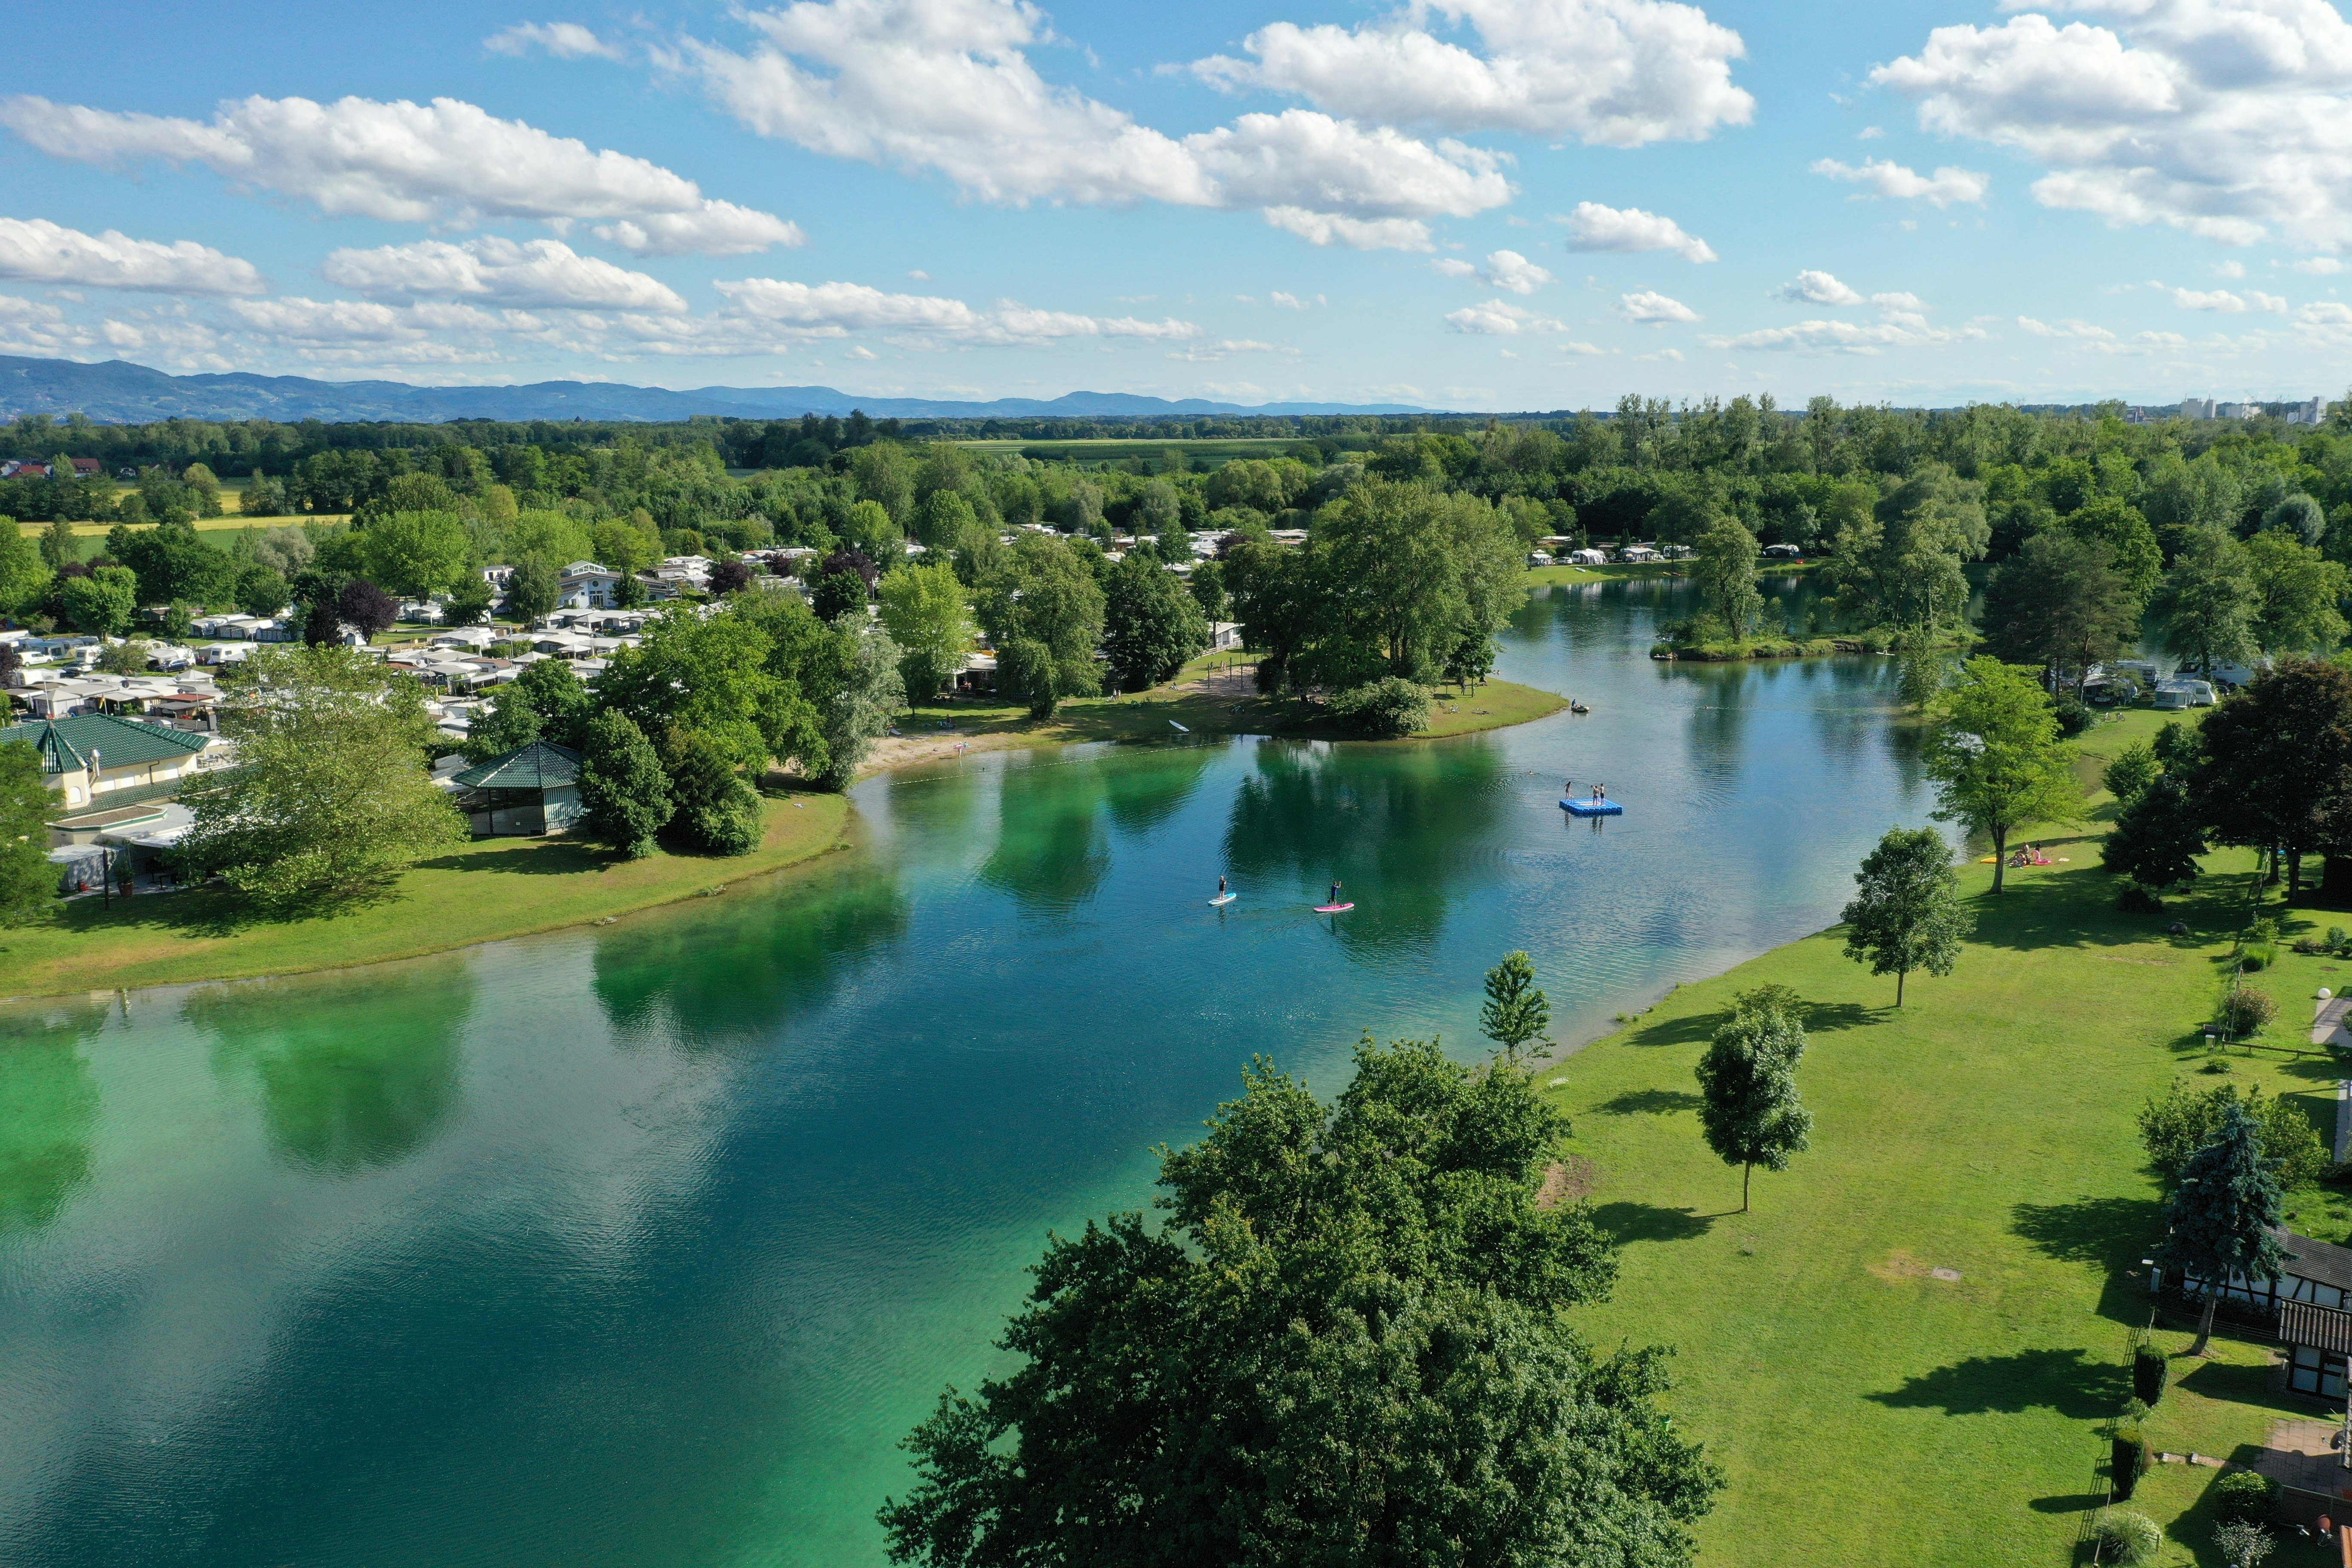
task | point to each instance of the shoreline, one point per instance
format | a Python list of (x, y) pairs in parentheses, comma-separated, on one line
[(190, 938), (1204, 700)]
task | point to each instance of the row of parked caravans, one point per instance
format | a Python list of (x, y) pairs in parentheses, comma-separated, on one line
[(2126, 679)]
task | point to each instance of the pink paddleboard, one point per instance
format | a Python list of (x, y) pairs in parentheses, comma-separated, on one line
[(1333, 909)]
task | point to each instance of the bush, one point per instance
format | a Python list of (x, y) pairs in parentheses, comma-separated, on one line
[(2337, 939), (2133, 900), (2246, 1010), (2256, 956), (2074, 716), (2150, 1371), (2245, 1496), (2306, 946), (2129, 1459), (2127, 1537), (1382, 709)]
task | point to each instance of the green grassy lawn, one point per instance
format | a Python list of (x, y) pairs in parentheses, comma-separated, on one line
[(1865, 1408), (1232, 709), (489, 890)]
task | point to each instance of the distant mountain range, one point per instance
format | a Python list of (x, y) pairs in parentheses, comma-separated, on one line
[(118, 392)]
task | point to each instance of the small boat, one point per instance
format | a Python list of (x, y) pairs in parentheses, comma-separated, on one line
[(1173, 725), (1575, 707), (1222, 899), (1591, 808), (1334, 909)]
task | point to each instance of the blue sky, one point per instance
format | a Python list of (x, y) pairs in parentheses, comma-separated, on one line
[(1487, 204)]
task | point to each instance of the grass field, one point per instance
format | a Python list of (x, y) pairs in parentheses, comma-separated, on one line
[(1224, 704), (490, 889), (1865, 1408)]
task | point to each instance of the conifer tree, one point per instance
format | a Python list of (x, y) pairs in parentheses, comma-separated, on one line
[(2219, 1219), (1517, 1012)]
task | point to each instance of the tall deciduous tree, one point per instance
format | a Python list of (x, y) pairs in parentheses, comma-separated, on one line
[(534, 589), (623, 786), (330, 797), (869, 693), (2219, 1219), (24, 574), (1908, 913), (1899, 564), (28, 883), (929, 616), (2131, 548), (1150, 626), (417, 554), (1047, 595), (1517, 1012), (1345, 1345), (2297, 592), (1996, 757), (1726, 571), (2208, 601), (2275, 768), (1751, 1112)]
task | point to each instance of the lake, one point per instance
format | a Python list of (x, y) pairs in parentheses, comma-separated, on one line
[(646, 1244)]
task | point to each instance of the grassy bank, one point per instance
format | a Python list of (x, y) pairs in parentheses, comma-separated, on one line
[(1878, 641), (1865, 1406), (489, 890), (1214, 695)]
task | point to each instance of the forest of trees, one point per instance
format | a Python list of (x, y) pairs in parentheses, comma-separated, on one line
[(2236, 531)]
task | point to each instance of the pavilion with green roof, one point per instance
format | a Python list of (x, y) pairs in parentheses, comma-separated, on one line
[(101, 757), (529, 791)]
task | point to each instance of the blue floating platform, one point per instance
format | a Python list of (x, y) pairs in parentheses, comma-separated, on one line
[(1591, 808)]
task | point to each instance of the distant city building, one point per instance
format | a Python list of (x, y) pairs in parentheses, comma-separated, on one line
[(2195, 408)]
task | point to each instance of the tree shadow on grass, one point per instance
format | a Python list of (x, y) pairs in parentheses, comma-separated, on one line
[(2114, 1232), (1829, 1017), (1648, 1222), (2069, 1382), (2068, 1502), (554, 857), (1688, 1029), (1649, 1103)]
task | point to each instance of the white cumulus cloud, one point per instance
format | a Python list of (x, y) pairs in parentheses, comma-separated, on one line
[(1614, 73), (446, 162), (1897, 330), (835, 310), (1652, 308), (1887, 178), (2229, 119), (1504, 269), (2226, 303), (1814, 288), (35, 250), (564, 40), (2066, 329), (1500, 318), (947, 86), (540, 272), (1592, 226)]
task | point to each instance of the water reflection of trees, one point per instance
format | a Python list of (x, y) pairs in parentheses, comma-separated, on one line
[(356, 1071), (1401, 826), (737, 968), (48, 1108), (1052, 849)]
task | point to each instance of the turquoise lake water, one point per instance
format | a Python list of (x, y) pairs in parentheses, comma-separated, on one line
[(646, 1244)]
